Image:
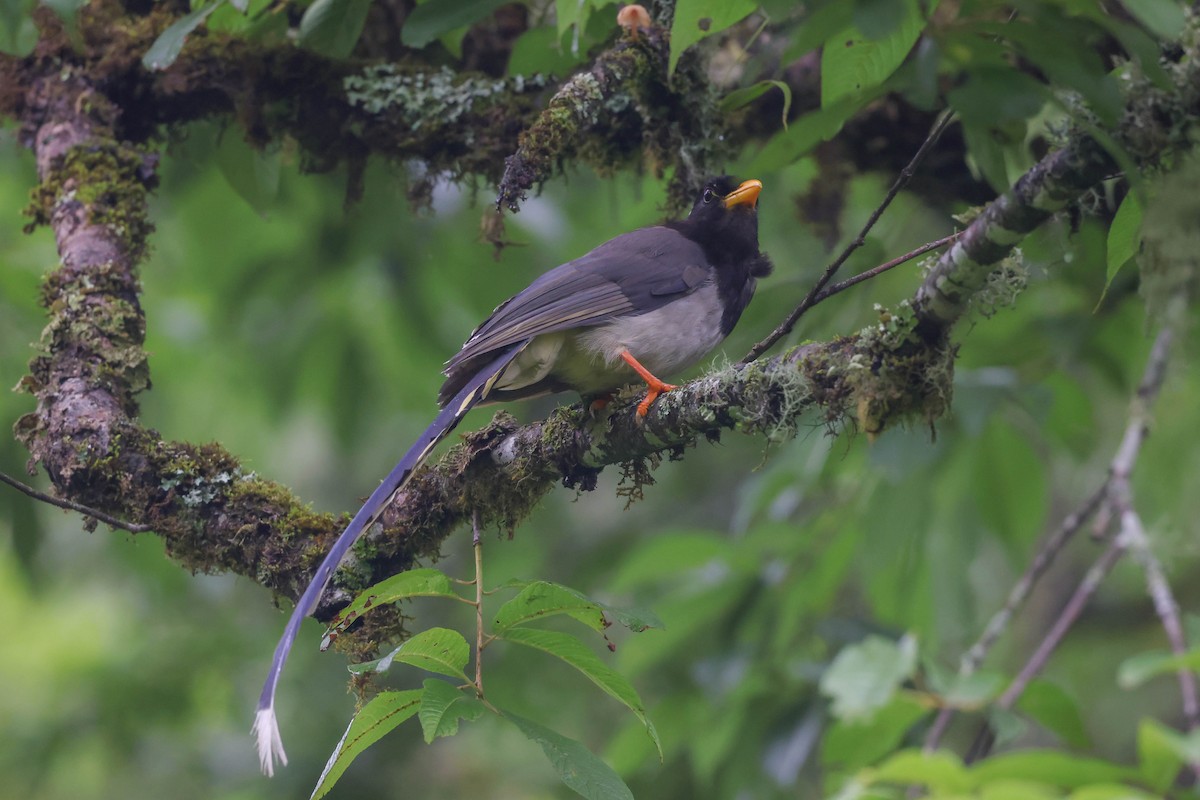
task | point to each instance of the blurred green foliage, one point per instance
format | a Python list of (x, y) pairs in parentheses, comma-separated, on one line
[(307, 338)]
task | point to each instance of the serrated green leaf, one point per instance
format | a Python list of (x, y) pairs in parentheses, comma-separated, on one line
[(576, 766), (442, 706), (169, 44), (864, 676), (697, 19), (382, 713), (540, 599), (430, 20), (1136, 670), (577, 654), (1163, 18), (424, 582), (332, 27), (1124, 237), (852, 64), (1056, 711), (439, 650), (940, 771)]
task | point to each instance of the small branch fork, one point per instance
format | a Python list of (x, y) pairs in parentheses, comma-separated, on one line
[(1112, 500), (815, 294)]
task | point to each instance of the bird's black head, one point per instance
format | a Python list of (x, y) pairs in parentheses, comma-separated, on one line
[(724, 220)]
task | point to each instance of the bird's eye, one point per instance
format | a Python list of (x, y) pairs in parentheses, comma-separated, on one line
[(708, 195)]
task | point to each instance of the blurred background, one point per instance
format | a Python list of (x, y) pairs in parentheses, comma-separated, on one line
[(307, 338)]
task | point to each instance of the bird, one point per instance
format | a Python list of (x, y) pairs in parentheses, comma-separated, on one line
[(646, 303)]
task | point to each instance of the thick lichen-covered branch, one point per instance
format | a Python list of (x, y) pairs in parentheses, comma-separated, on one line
[(1157, 123), (625, 105)]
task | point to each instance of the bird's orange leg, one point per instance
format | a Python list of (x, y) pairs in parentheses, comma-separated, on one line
[(654, 387)]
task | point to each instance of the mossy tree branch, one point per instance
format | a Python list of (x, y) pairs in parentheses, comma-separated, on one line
[(92, 193), (1157, 123)]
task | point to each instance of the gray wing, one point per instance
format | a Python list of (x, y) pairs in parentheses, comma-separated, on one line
[(634, 273)]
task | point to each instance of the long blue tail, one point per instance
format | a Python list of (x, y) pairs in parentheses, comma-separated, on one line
[(266, 726)]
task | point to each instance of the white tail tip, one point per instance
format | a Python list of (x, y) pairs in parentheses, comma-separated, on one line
[(270, 744)]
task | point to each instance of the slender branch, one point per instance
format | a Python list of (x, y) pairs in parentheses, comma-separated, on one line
[(785, 327), (1112, 498), (842, 286), (1066, 618), (70, 505), (1017, 596), (477, 542), (1134, 532)]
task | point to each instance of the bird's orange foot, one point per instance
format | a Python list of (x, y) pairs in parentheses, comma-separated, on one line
[(600, 403), (654, 387), (653, 390)]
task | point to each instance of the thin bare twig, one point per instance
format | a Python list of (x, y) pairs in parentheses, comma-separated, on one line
[(939, 126), (1021, 590), (1114, 498), (73, 506), (477, 541), (842, 286)]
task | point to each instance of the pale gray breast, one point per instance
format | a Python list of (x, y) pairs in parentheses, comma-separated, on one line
[(667, 340)]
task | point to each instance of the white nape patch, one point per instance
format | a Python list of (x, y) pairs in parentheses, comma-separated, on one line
[(270, 744)]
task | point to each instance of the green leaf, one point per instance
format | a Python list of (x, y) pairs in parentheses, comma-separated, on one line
[(576, 766), (253, 173), (384, 712), (696, 19), (1124, 237), (169, 44), (1111, 791), (1052, 708), (864, 676), (431, 19), (18, 34), (439, 650), (442, 706), (806, 133), (1048, 766), (995, 95), (940, 771), (740, 97), (424, 582), (540, 599), (1136, 670), (1164, 18), (853, 744), (972, 692), (544, 599), (537, 52), (332, 27), (576, 653), (852, 64), (1158, 754)]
